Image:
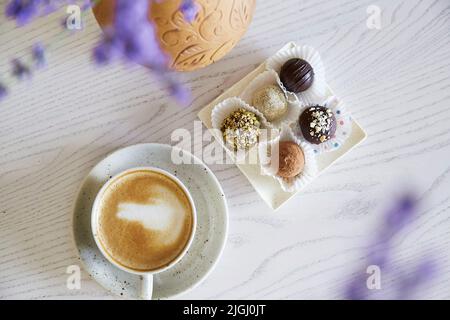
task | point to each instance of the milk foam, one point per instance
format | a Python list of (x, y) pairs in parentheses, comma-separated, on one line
[(156, 216), (164, 215), (145, 221)]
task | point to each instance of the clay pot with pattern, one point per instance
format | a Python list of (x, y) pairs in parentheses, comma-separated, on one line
[(218, 26)]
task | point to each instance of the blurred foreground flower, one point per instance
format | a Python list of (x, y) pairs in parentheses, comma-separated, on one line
[(131, 38), (189, 9), (379, 255), (123, 41), (20, 70), (38, 54), (23, 11), (3, 91)]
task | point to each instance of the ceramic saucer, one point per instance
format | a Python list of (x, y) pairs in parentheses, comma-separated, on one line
[(212, 222)]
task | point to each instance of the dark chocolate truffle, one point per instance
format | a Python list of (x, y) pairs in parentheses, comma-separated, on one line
[(297, 75), (291, 160), (318, 124)]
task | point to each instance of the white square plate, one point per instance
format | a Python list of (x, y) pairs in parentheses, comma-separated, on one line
[(267, 187)]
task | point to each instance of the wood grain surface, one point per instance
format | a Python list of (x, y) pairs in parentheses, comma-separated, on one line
[(55, 127)]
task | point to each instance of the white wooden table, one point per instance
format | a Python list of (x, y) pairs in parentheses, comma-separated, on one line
[(396, 81)]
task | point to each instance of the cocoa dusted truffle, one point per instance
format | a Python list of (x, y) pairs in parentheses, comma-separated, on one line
[(318, 124), (291, 159), (241, 129), (271, 102), (297, 75)]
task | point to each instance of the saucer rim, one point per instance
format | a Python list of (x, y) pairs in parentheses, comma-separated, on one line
[(220, 250)]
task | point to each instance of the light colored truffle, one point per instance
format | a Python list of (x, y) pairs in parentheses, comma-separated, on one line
[(271, 101), (291, 159)]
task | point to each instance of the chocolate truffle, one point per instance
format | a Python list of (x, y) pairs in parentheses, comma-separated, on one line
[(291, 159), (271, 102), (297, 75), (318, 124), (241, 129)]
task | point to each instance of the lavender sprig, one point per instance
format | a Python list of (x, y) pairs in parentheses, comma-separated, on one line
[(179, 92), (395, 220), (88, 4), (3, 91), (132, 37), (408, 284), (124, 42), (38, 53), (20, 70), (189, 9), (399, 216), (23, 11)]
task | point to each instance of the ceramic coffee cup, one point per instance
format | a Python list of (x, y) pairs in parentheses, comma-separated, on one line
[(147, 275)]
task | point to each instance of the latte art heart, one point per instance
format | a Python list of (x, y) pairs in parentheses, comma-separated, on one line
[(145, 220), (152, 216)]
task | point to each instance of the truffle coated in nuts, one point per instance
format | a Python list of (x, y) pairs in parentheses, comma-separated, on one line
[(318, 124), (241, 129), (291, 159), (270, 100)]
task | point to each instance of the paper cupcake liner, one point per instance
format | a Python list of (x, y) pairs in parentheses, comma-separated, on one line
[(343, 126), (309, 171), (270, 77), (222, 110), (319, 87)]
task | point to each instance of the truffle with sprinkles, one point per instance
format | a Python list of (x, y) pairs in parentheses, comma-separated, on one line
[(318, 124), (241, 129)]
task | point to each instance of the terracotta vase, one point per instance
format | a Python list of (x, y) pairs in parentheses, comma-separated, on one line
[(217, 28)]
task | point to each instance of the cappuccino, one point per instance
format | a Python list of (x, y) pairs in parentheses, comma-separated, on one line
[(145, 220)]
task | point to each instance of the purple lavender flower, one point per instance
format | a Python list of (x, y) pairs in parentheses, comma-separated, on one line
[(408, 284), (132, 37), (38, 54), (3, 91), (356, 289), (23, 11), (179, 92), (379, 254), (398, 216), (189, 9), (87, 4), (20, 70), (108, 49)]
